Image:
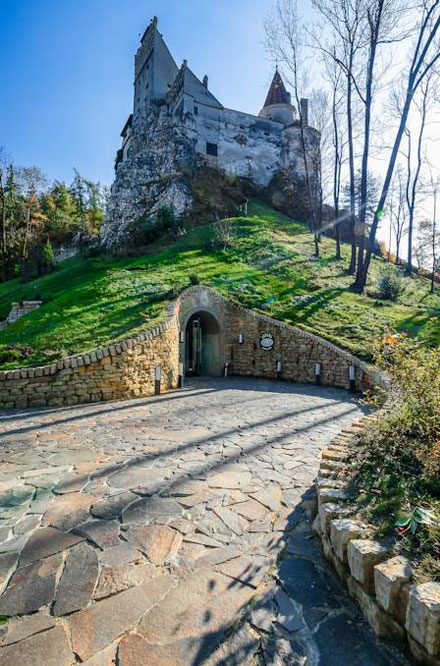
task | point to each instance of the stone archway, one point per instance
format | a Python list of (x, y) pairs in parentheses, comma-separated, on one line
[(203, 345)]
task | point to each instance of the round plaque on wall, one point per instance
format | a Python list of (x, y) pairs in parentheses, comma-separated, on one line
[(266, 341)]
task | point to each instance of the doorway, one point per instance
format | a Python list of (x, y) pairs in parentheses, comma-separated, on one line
[(202, 345)]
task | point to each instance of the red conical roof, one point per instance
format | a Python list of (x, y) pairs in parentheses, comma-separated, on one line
[(277, 92)]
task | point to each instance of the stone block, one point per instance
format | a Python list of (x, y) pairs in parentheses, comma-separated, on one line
[(329, 511), (423, 616), (363, 555), (390, 578), (336, 495), (343, 530)]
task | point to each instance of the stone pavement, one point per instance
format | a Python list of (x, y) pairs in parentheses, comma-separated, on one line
[(174, 531)]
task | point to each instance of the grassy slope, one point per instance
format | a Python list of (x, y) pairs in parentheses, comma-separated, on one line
[(88, 303)]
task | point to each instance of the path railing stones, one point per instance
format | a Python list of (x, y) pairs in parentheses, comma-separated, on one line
[(395, 607)]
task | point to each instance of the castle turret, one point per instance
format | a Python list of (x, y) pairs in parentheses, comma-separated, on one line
[(278, 105), (155, 69)]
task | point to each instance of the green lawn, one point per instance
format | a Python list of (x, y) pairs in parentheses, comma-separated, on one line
[(270, 268)]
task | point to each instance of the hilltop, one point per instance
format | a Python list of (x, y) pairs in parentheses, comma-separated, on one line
[(268, 267)]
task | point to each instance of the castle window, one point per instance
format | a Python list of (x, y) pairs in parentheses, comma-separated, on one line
[(196, 110), (211, 149)]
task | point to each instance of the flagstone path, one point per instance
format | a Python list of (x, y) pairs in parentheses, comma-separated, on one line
[(174, 531)]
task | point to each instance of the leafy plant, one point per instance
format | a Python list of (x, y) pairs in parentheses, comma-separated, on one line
[(412, 521)]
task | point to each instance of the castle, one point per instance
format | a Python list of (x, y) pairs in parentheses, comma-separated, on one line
[(178, 126)]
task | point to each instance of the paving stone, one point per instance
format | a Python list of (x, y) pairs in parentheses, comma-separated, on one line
[(118, 578), (239, 648), (103, 533), (289, 615), (106, 657), (26, 524), (68, 511), (160, 543), (187, 487), (31, 587), (16, 496), (203, 539), (70, 484), (22, 627), (269, 497), (229, 479), (78, 580), (213, 556), (50, 648), (8, 563), (187, 626), (260, 526), (118, 555), (279, 652), (234, 522), (153, 510), (251, 510), (112, 507), (135, 651), (41, 501), (248, 569), (199, 606), (340, 642), (111, 617), (47, 541), (302, 581), (139, 475), (14, 545)]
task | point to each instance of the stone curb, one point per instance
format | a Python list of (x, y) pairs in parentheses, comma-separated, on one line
[(394, 606)]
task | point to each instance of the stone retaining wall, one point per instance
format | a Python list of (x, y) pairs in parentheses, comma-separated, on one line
[(395, 607), (127, 369), (122, 370), (298, 351)]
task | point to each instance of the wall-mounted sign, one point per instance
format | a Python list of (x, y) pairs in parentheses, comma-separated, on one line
[(266, 341)]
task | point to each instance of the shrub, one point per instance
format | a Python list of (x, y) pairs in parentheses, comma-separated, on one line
[(223, 233), (389, 284), (398, 460)]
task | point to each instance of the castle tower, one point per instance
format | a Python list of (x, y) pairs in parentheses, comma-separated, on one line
[(155, 70), (278, 104)]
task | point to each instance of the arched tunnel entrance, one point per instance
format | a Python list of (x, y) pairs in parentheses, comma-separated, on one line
[(202, 345)]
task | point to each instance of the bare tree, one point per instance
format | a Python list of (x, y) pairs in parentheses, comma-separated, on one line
[(427, 88), (382, 19), (429, 230), (425, 54), (283, 30), (398, 209), (347, 39)]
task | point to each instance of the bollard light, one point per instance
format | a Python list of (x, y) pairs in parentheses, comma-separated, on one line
[(240, 338), (278, 369), (226, 368), (157, 378), (180, 375), (317, 373), (352, 378), (182, 336)]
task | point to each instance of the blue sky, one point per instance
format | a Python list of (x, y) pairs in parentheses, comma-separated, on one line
[(66, 71)]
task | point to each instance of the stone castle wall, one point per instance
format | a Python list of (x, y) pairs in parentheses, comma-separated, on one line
[(127, 369)]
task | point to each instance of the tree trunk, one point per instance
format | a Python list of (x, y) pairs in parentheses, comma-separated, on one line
[(352, 267)]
